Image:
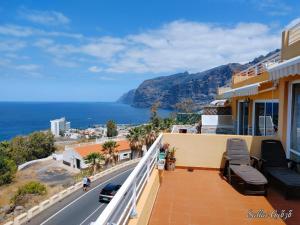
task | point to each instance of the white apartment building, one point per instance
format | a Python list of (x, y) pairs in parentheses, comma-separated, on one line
[(59, 126)]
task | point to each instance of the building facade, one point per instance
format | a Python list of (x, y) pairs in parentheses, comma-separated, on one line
[(59, 126), (265, 98), (74, 156)]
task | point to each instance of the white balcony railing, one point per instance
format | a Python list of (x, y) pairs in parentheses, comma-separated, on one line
[(260, 67), (123, 205), (294, 34)]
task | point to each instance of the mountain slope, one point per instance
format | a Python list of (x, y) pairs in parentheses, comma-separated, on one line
[(200, 87)]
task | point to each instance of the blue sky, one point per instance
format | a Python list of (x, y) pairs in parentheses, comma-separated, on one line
[(95, 50)]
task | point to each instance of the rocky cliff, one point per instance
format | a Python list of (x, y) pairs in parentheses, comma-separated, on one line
[(169, 90)]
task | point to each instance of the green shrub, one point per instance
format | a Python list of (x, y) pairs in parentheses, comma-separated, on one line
[(32, 187), (8, 170)]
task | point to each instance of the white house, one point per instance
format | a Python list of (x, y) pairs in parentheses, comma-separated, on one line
[(74, 155), (59, 126)]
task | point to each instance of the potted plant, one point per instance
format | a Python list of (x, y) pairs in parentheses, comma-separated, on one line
[(170, 159)]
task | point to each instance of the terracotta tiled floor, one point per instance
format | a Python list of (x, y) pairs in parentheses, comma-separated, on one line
[(203, 197)]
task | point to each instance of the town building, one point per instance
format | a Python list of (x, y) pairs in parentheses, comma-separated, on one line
[(59, 126), (265, 98), (74, 155)]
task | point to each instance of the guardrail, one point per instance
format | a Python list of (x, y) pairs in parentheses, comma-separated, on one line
[(260, 67), (24, 165), (123, 205), (24, 217), (294, 34)]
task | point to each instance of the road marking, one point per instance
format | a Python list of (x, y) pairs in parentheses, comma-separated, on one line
[(83, 196), (91, 214)]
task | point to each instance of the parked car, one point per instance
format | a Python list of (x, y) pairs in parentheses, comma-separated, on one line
[(108, 192)]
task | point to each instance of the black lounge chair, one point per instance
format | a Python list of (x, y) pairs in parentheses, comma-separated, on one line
[(275, 165), (238, 163)]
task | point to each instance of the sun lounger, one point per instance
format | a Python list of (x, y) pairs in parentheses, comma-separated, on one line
[(239, 164), (276, 166)]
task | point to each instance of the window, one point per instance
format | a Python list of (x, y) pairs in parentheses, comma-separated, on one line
[(265, 118), (243, 111)]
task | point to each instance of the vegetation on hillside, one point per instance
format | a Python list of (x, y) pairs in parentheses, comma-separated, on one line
[(110, 150), (22, 149), (111, 129), (32, 187), (147, 134), (94, 159)]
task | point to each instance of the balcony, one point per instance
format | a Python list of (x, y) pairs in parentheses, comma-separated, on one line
[(257, 69), (195, 193), (203, 197)]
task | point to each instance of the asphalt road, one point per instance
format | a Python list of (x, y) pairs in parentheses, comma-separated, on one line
[(80, 207)]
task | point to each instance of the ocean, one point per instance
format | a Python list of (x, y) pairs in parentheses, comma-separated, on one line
[(21, 118)]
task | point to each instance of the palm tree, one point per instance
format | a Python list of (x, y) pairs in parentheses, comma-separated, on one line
[(136, 140), (150, 135), (94, 159), (111, 154)]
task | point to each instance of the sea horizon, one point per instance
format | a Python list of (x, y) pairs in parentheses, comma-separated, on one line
[(25, 117)]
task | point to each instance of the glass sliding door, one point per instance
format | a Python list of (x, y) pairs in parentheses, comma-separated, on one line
[(295, 120), (265, 118), (243, 118), (259, 126)]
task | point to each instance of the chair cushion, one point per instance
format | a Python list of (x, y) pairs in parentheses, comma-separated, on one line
[(249, 174), (285, 175)]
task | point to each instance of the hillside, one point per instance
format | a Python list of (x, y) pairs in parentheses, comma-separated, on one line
[(200, 87)]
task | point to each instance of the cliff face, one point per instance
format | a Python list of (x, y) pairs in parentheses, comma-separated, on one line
[(169, 90), (127, 98)]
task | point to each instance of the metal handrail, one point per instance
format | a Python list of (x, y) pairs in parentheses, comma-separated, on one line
[(123, 205), (294, 34), (259, 67)]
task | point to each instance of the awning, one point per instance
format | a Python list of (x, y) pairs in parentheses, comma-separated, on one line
[(247, 90), (284, 69)]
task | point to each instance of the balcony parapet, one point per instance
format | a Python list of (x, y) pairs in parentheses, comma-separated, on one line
[(257, 69)]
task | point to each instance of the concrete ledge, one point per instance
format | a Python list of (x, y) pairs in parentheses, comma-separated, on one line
[(54, 199), (9, 223), (20, 219), (44, 205), (33, 211)]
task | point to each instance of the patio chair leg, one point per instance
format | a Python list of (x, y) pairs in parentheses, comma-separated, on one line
[(266, 190), (229, 175), (287, 193)]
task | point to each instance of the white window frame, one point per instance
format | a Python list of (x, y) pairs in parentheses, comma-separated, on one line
[(289, 122), (238, 117), (253, 110)]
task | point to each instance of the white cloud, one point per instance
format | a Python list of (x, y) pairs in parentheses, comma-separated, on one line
[(106, 78), (44, 17), (183, 45), (65, 63), (28, 67), (14, 30), (176, 46), (95, 69), (273, 7), (104, 48), (293, 23), (11, 45), (23, 31)]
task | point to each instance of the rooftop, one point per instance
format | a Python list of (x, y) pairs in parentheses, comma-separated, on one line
[(204, 197), (91, 148)]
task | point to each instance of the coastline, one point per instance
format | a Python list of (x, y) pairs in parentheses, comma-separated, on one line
[(23, 118)]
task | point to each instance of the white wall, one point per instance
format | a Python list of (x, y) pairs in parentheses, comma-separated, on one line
[(70, 156), (217, 120), (124, 155)]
